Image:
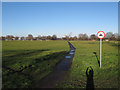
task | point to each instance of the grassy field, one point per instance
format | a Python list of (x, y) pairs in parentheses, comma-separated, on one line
[(106, 77), (26, 62)]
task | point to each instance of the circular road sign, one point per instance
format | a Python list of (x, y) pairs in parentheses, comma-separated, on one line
[(100, 34)]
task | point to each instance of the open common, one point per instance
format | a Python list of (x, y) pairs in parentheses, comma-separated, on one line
[(25, 63)]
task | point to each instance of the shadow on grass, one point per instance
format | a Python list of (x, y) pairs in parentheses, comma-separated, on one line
[(38, 60), (50, 56), (97, 58), (11, 59), (28, 52), (12, 73), (90, 82)]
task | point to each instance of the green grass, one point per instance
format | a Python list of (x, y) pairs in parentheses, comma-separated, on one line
[(26, 62), (44, 55), (106, 77)]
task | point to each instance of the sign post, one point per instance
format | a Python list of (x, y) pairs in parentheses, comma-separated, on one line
[(100, 35), (100, 51)]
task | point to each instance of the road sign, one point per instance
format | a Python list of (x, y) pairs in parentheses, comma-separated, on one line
[(100, 35)]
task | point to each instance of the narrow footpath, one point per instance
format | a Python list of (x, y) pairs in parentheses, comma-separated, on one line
[(59, 71)]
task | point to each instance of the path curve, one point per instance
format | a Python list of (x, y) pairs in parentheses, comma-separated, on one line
[(59, 71)]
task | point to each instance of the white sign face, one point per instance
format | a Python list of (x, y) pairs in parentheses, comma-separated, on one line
[(100, 34)]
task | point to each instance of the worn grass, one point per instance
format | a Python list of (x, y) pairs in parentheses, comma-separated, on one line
[(26, 62), (106, 77)]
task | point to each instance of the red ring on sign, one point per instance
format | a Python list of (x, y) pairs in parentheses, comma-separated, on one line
[(103, 33)]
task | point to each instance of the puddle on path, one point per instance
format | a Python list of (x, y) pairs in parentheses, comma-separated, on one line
[(67, 56), (72, 50), (71, 53), (59, 72)]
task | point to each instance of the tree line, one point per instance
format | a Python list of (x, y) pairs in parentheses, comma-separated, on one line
[(81, 36)]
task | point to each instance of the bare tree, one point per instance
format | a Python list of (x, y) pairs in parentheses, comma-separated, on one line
[(16, 38), (30, 37), (108, 35), (54, 37), (116, 35), (80, 36), (43, 37), (93, 37), (112, 37), (75, 38), (39, 37), (70, 34), (3, 38), (49, 37), (66, 37), (9, 37), (83, 36), (22, 38)]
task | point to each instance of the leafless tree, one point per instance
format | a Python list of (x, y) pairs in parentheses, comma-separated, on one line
[(30, 37), (9, 37), (93, 37), (108, 35), (16, 38), (83, 36), (54, 37)]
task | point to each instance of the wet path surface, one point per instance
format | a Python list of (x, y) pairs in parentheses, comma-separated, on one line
[(59, 71)]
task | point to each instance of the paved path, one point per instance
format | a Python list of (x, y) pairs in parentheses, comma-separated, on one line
[(59, 71)]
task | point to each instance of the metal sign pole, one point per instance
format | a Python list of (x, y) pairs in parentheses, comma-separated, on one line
[(101, 35), (100, 51)]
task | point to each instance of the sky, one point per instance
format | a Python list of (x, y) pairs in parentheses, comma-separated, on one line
[(60, 0), (60, 18)]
